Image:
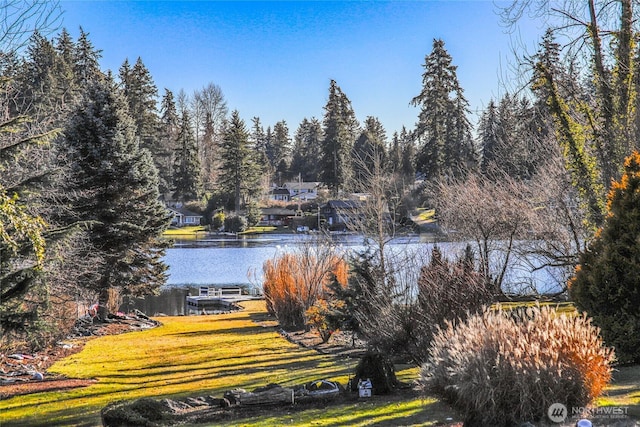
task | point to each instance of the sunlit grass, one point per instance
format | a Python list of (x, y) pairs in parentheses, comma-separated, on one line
[(257, 230), (560, 307), (378, 411), (426, 215), (184, 231), (208, 355), (624, 392), (196, 355)]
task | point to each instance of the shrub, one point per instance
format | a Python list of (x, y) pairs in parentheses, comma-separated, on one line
[(447, 291), (378, 368), (293, 282), (501, 368), (324, 317), (235, 224), (607, 282), (401, 319), (217, 221), (254, 213)]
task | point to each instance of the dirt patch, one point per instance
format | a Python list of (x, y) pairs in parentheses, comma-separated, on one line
[(53, 384)]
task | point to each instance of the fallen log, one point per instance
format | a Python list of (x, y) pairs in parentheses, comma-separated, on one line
[(275, 395)]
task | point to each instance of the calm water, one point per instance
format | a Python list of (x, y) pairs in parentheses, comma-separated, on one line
[(231, 261)]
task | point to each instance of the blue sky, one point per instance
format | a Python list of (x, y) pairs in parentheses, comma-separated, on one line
[(274, 60)]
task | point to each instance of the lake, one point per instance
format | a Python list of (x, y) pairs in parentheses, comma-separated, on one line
[(225, 261)]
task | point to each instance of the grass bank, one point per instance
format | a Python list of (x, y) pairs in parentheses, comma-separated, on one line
[(196, 355), (208, 355)]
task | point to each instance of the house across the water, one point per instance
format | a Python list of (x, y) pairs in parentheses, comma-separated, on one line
[(183, 217)]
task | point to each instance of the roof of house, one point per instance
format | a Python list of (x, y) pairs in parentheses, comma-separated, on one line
[(185, 212), (278, 211), (343, 204), (307, 186), (279, 191)]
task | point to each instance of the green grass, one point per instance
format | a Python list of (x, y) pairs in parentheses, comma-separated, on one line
[(193, 355), (258, 230), (560, 307), (184, 231), (208, 355), (426, 215)]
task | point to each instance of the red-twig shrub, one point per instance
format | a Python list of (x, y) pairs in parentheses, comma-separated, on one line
[(293, 282), (502, 368)]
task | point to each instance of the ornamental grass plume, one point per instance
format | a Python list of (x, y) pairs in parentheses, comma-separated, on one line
[(500, 368)]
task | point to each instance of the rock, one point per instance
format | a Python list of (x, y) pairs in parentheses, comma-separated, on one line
[(233, 395), (273, 395), (197, 401), (38, 376), (175, 406)]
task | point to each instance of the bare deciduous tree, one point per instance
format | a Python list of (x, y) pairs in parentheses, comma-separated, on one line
[(493, 214), (19, 19)]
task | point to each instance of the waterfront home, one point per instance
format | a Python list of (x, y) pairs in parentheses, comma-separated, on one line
[(183, 217)]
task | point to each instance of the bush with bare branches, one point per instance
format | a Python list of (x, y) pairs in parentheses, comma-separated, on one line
[(293, 282)]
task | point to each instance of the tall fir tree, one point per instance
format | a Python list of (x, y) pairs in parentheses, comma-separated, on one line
[(240, 173), (339, 128), (186, 173), (86, 61), (279, 152), (408, 167), (369, 147), (141, 94), (488, 133), (167, 137), (115, 185), (443, 127), (307, 150)]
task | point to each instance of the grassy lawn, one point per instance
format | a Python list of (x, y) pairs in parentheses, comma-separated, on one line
[(198, 355), (184, 231), (426, 215), (208, 355)]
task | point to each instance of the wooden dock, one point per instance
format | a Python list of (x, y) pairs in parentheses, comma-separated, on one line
[(212, 299)]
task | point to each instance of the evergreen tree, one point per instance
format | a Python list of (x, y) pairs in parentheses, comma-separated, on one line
[(86, 61), (488, 131), (339, 133), (186, 174), (280, 149), (167, 137), (260, 141), (551, 85), (40, 78), (408, 164), (607, 281), (307, 150), (240, 173), (116, 189), (394, 158), (443, 128), (370, 146), (141, 94)]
